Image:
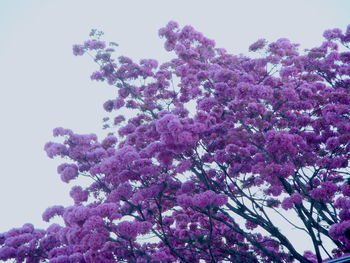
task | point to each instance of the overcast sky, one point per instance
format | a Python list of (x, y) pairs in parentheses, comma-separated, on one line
[(44, 86)]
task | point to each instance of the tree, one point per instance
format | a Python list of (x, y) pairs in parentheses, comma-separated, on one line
[(216, 144)]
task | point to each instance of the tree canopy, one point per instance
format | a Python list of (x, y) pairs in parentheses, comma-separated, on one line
[(202, 151)]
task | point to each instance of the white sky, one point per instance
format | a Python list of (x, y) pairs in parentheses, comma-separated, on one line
[(44, 86)]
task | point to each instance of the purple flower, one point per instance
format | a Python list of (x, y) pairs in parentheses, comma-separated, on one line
[(76, 258), (97, 75), (168, 220), (68, 172), (143, 227), (165, 158), (325, 191), (119, 119), (18, 240), (94, 44), (61, 132), (118, 103), (332, 34), (109, 141), (125, 190), (7, 253), (127, 129), (332, 143), (184, 200), (52, 211), (127, 229), (345, 188), (296, 198), (183, 166), (259, 44), (310, 256), (287, 203), (131, 104), (78, 50), (78, 194), (220, 200), (207, 104), (53, 149), (250, 225), (187, 186), (60, 259), (108, 105), (162, 123), (204, 199)]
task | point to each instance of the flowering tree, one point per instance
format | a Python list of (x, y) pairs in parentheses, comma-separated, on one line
[(216, 144)]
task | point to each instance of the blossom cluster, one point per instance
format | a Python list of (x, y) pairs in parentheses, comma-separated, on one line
[(216, 139)]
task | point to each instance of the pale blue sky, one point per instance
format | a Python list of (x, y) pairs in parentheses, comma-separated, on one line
[(44, 86)]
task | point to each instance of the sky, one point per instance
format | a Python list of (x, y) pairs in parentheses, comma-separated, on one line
[(43, 86)]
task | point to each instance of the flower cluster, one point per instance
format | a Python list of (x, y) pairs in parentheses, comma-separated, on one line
[(215, 139)]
